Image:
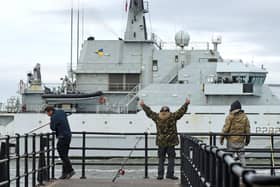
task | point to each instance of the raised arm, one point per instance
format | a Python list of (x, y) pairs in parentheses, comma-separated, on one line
[(181, 111), (151, 114)]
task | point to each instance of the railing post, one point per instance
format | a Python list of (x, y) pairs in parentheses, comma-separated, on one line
[(3, 165), (226, 170), (146, 155), (53, 156), (219, 170), (17, 160), (207, 158), (272, 164), (213, 163), (235, 180), (182, 155), (186, 168), (83, 155), (41, 161), (211, 138), (8, 159), (33, 159), (215, 140), (26, 160), (42, 173), (48, 156)]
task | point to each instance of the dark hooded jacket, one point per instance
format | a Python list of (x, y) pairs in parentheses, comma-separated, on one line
[(166, 125)]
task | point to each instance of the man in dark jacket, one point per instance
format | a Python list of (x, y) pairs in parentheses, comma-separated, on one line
[(237, 123), (59, 123), (167, 137)]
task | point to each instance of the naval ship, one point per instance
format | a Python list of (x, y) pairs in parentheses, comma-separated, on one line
[(102, 92)]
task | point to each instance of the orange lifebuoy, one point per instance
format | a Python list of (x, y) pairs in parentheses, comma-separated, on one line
[(102, 100)]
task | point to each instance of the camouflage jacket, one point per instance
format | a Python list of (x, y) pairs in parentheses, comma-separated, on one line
[(166, 125), (237, 123)]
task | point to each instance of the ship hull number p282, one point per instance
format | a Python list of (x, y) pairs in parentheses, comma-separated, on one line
[(274, 130)]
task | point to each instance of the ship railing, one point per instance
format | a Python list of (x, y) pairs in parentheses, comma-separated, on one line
[(111, 108), (33, 160), (86, 87), (131, 96), (192, 46)]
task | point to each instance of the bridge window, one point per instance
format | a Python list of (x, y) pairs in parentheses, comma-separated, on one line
[(238, 79), (247, 88), (256, 79), (212, 60)]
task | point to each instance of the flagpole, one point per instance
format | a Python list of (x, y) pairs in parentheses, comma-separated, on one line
[(78, 31)]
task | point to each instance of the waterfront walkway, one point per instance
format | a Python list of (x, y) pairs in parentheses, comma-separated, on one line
[(118, 183)]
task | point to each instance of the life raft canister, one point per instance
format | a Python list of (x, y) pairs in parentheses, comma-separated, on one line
[(102, 100)]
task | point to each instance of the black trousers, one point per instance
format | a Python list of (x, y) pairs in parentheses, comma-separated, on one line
[(63, 145), (170, 151)]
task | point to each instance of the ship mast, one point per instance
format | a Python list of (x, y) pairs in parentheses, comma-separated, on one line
[(71, 46), (136, 29)]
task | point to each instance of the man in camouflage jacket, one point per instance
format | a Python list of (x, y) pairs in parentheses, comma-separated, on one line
[(236, 123), (167, 137)]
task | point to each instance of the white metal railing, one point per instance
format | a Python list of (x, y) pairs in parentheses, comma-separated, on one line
[(132, 95), (191, 46), (111, 108)]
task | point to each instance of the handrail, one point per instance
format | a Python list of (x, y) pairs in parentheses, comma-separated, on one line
[(207, 165), (35, 147)]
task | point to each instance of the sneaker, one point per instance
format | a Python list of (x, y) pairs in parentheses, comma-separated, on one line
[(159, 178), (69, 175), (63, 176), (172, 177)]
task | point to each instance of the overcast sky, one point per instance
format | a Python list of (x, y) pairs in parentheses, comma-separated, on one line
[(35, 31)]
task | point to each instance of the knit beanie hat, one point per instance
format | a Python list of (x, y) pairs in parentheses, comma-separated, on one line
[(235, 105), (165, 109)]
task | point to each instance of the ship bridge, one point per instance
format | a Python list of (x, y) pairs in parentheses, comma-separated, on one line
[(235, 78)]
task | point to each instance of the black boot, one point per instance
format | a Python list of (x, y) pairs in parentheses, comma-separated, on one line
[(172, 177)]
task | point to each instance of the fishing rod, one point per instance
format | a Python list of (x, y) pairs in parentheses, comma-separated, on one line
[(33, 130), (44, 125), (121, 171), (37, 128)]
